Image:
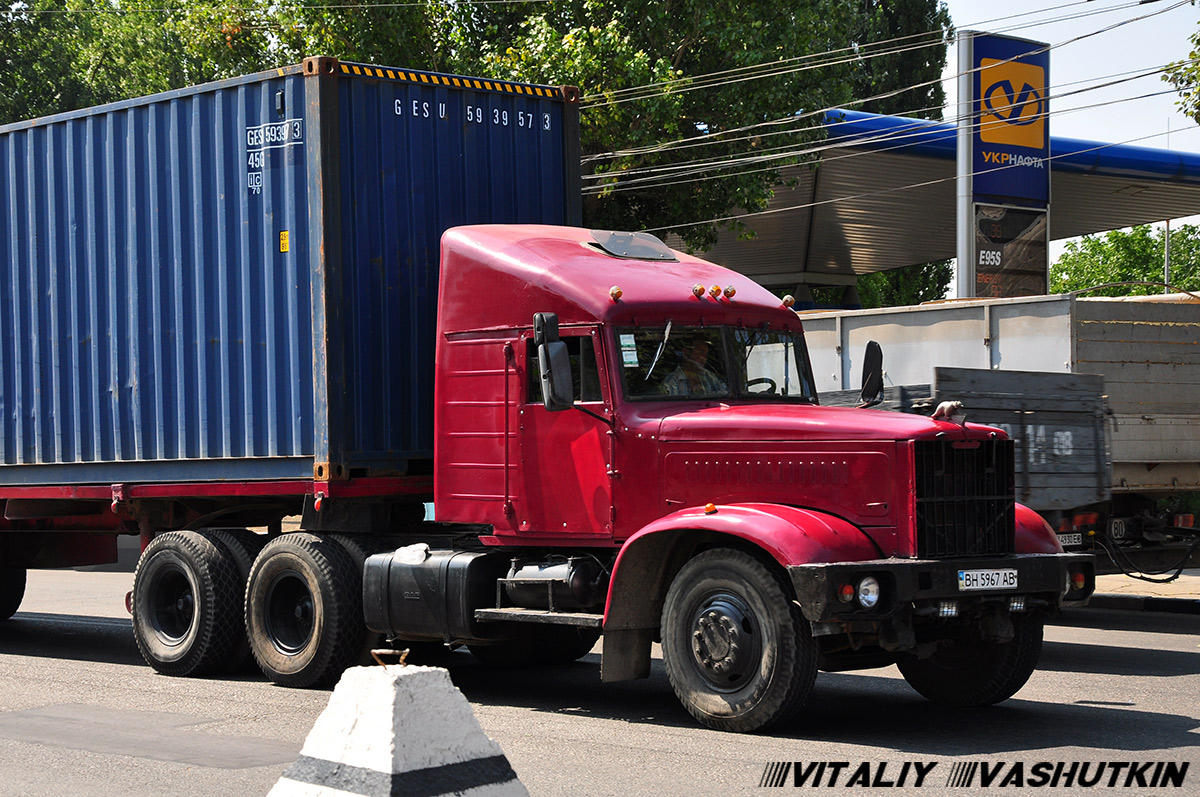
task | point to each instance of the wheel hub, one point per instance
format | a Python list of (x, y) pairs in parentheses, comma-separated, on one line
[(290, 614), (172, 605), (725, 642)]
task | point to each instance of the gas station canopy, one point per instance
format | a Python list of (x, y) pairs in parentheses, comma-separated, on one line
[(883, 196)]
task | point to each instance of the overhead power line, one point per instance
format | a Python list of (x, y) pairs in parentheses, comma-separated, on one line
[(811, 60), (755, 133), (883, 191), (655, 175), (716, 136), (912, 132)]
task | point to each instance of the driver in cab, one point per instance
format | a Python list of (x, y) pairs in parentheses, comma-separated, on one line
[(692, 376)]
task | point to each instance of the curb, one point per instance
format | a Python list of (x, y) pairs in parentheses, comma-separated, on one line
[(1144, 603)]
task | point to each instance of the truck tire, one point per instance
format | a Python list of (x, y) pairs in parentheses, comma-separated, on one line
[(976, 673), (242, 546), (185, 604), (12, 590), (737, 651), (360, 547), (304, 610)]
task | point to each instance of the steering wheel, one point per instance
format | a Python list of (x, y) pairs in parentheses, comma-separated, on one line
[(770, 391)]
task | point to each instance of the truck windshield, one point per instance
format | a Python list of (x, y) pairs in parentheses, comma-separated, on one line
[(673, 361)]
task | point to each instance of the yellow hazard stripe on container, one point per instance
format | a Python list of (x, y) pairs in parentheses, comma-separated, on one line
[(443, 80)]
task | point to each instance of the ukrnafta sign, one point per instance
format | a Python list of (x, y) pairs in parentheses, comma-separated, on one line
[(1010, 115)]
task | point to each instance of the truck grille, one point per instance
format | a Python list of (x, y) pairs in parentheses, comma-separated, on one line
[(965, 503)]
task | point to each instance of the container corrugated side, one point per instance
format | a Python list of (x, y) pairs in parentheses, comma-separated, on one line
[(235, 281), (420, 153), (150, 316)]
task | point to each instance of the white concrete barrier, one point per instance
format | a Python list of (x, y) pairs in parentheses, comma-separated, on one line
[(398, 730)]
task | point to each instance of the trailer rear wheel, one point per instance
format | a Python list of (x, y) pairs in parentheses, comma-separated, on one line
[(738, 653), (976, 673), (242, 546), (304, 610), (185, 604), (12, 590), (360, 547)]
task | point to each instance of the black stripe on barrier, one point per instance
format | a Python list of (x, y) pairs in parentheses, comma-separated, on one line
[(429, 782)]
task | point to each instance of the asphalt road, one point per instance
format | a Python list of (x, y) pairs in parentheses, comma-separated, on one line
[(81, 714)]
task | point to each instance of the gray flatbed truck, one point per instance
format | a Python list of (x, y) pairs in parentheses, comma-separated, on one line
[(1100, 394)]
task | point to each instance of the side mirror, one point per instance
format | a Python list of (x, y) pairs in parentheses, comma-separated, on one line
[(554, 363), (872, 380)]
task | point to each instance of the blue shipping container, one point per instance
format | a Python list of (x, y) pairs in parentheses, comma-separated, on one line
[(238, 280)]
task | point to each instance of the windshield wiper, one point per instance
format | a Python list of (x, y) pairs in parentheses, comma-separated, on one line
[(658, 354)]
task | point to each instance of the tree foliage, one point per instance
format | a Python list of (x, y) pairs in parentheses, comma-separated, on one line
[(925, 282), (1130, 256), (1185, 77), (60, 56)]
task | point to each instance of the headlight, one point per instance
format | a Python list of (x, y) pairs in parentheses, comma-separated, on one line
[(868, 593)]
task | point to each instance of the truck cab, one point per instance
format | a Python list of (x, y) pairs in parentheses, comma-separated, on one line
[(635, 434)]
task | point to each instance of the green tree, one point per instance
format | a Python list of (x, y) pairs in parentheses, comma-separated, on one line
[(602, 46), (37, 59), (905, 82), (1133, 255), (606, 47), (1185, 77), (925, 282)]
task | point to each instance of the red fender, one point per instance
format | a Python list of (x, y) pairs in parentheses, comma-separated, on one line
[(1034, 534), (788, 535)]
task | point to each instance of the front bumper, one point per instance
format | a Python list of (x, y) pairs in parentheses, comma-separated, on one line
[(906, 584)]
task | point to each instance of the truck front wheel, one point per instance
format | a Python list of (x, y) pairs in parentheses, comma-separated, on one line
[(738, 653), (971, 672), (185, 604), (304, 610)]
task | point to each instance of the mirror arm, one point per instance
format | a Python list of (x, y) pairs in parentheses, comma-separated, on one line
[(595, 415)]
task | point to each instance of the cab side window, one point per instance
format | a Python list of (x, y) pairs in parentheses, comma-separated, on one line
[(584, 373)]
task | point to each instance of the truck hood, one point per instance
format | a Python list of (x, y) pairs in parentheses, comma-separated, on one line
[(766, 422)]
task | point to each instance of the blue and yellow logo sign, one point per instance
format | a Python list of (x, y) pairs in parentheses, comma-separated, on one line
[(1012, 103), (1010, 142)]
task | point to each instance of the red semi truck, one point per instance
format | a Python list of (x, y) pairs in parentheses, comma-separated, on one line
[(606, 476), (221, 315)]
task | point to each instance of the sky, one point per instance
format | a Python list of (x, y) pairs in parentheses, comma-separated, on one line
[(1141, 45)]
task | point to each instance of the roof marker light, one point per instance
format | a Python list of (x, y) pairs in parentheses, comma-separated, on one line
[(789, 300), (715, 291), (698, 290), (615, 293), (730, 291), (710, 509)]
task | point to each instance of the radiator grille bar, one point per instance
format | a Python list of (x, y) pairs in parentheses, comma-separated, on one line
[(965, 498)]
